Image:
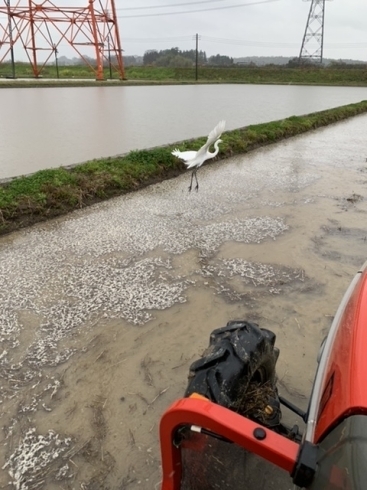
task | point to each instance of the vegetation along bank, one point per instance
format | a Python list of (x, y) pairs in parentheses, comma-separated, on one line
[(55, 192), (82, 76)]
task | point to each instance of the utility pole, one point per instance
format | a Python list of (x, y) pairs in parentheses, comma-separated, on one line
[(11, 40), (197, 56), (109, 56), (313, 40), (56, 62)]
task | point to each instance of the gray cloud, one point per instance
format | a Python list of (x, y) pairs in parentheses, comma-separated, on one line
[(263, 29)]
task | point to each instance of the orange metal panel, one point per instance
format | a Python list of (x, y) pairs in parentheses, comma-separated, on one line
[(203, 413), (344, 391)]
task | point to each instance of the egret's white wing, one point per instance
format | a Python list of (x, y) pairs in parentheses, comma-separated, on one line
[(197, 158), (213, 136), (186, 156), (216, 132)]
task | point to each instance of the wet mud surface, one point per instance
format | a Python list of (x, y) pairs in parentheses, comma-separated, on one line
[(102, 312)]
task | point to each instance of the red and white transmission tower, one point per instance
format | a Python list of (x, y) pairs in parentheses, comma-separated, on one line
[(41, 26)]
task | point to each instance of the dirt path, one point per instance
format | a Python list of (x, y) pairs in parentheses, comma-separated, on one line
[(102, 312)]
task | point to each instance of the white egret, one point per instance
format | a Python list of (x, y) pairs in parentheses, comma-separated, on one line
[(195, 159)]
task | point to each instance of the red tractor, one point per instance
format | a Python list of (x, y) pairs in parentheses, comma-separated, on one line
[(229, 423)]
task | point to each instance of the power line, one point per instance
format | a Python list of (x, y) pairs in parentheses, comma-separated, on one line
[(198, 10), (240, 42), (168, 5), (158, 39), (248, 4), (246, 42), (356, 46)]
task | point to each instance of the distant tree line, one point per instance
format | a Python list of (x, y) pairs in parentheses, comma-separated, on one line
[(299, 63), (175, 57)]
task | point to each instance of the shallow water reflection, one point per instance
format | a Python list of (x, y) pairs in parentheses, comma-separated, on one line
[(51, 127)]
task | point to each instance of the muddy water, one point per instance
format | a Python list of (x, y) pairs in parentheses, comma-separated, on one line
[(103, 312)]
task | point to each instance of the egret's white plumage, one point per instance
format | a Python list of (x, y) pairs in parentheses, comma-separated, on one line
[(194, 159)]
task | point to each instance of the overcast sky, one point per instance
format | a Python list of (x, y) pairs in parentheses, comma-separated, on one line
[(261, 29), (233, 27)]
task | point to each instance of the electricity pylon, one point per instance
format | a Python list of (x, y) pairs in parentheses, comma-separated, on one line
[(43, 26), (313, 40)]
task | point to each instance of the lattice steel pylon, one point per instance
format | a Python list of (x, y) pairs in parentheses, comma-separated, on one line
[(42, 26), (313, 40)]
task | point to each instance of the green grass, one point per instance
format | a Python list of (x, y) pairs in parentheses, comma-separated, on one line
[(255, 75), (49, 193), (206, 74), (49, 71)]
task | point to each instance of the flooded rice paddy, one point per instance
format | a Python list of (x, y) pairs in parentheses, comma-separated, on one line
[(44, 128), (102, 312)]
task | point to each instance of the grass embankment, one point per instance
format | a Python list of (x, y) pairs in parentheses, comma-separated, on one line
[(266, 75), (314, 75), (50, 193)]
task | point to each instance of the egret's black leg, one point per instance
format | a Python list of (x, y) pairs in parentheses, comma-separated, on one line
[(192, 175), (197, 183)]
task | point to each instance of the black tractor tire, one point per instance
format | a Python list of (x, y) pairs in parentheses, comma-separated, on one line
[(239, 354), (239, 362)]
